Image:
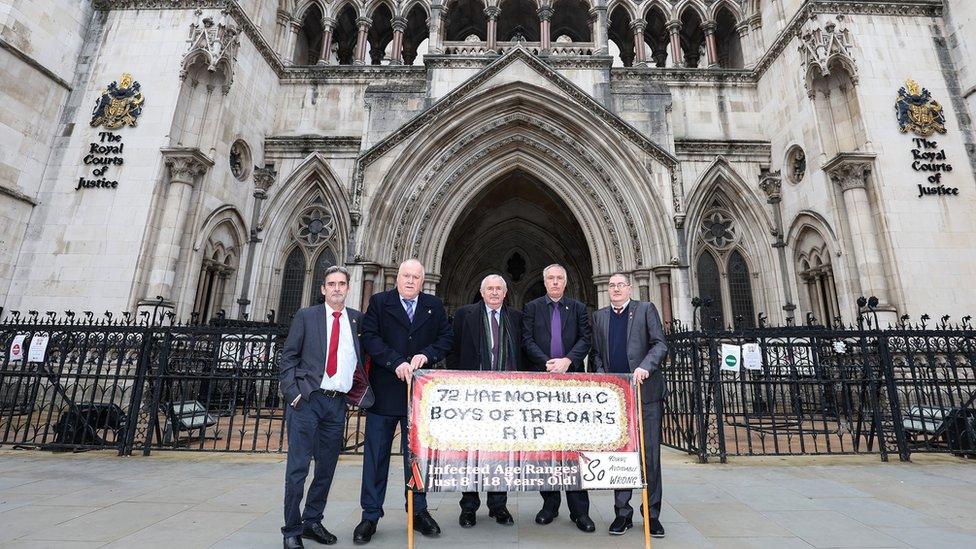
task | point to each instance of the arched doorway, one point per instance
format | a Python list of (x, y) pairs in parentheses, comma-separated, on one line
[(515, 226)]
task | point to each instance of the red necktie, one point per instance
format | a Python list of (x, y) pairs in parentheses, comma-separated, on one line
[(332, 363)]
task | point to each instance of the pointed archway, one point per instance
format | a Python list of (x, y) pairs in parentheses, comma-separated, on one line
[(515, 227)]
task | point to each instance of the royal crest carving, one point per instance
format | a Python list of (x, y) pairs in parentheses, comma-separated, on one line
[(120, 104), (918, 112)]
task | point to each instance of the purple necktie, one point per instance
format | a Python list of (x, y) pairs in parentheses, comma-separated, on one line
[(495, 335), (556, 328)]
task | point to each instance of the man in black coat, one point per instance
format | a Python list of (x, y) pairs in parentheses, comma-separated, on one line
[(487, 336), (403, 329), (321, 371), (556, 338)]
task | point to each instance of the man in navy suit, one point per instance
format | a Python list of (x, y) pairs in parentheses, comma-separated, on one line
[(487, 336), (319, 366), (556, 337), (403, 330)]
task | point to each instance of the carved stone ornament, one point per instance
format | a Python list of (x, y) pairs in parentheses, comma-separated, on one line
[(824, 43), (120, 104), (213, 43)]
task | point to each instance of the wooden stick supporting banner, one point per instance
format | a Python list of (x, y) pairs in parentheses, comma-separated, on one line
[(409, 487), (647, 508)]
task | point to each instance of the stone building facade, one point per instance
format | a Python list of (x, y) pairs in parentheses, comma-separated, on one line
[(748, 152)]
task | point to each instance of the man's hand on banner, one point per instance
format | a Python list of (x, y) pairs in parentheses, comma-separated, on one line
[(558, 365), (404, 370), (640, 375), (418, 361)]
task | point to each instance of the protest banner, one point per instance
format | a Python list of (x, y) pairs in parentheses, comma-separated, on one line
[(523, 431)]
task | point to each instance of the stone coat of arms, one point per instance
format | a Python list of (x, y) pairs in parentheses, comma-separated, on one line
[(918, 112), (119, 105)]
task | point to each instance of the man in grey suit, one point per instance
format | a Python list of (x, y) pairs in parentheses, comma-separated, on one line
[(321, 371), (628, 338)]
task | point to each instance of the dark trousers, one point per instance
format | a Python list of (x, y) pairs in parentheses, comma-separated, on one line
[(653, 412), (376, 464), (315, 430), (471, 501), (578, 502)]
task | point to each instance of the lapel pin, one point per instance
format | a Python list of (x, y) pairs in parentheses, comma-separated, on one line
[(428, 311)]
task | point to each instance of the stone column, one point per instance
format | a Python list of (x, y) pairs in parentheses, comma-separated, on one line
[(711, 49), (281, 29), (263, 179), (663, 277), (850, 172), (674, 31), (598, 22), (438, 12), (545, 17), (327, 26), (642, 281), (640, 50), (184, 168), (399, 26), (370, 270), (771, 184), (431, 280), (362, 24), (745, 44), (602, 291), (492, 13), (290, 55)]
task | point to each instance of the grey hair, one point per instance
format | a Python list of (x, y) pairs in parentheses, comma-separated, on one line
[(413, 260), (484, 281), (335, 269), (553, 266)]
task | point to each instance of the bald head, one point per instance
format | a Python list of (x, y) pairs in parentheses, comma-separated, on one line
[(410, 278)]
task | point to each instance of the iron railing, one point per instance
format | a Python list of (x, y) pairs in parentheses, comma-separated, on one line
[(824, 390), (139, 383)]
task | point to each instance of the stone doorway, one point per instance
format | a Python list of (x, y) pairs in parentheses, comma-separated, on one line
[(515, 226)]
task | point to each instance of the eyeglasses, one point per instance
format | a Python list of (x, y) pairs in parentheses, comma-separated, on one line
[(618, 285)]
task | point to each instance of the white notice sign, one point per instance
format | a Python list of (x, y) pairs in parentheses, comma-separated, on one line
[(38, 348), (605, 470), (751, 357), (730, 357), (17, 348)]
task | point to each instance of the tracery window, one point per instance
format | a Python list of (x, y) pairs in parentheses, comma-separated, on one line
[(314, 231), (722, 271)]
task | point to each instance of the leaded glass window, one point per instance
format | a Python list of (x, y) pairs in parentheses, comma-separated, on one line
[(292, 284), (740, 290), (710, 286), (325, 260)]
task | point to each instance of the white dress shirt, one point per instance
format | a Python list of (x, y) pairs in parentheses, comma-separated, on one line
[(346, 363)]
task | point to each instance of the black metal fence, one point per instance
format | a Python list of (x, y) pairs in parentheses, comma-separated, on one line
[(820, 390), (135, 383)]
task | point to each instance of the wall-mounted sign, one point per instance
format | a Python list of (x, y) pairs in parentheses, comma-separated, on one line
[(119, 105), (920, 114)]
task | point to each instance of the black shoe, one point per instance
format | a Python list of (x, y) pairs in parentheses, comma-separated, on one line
[(585, 523), (315, 530), (545, 516), (467, 519), (502, 516), (657, 529), (620, 525), (364, 532), (426, 525), (293, 542)]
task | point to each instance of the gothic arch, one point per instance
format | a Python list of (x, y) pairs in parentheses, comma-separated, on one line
[(659, 5), (511, 125), (628, 7), (212, 277), (335, 10), (695, 5), (730, 5), (406, 8), (720, 189)]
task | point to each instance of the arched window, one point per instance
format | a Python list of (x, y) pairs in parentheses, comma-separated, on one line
[(816, 276), (692, 38), (656, 36), (215, 285), (619, 33), (292, 284), (415, 35), (344, 37), (325, 260), (310, 38), (727, 40), (740, 290), (571, 18), (464, 18), (518, 18), (710, 286), (380, 36)]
